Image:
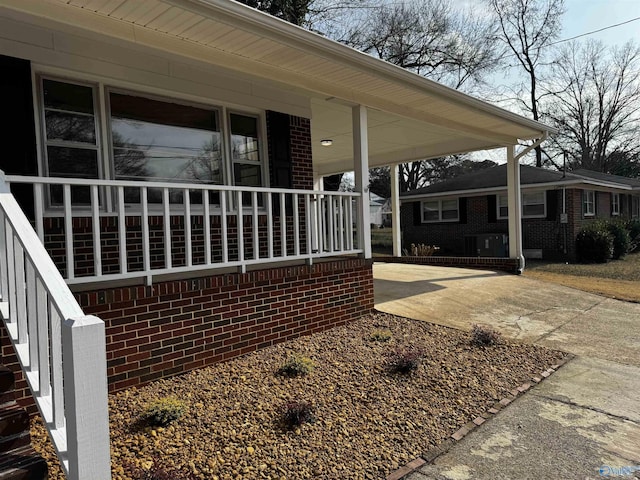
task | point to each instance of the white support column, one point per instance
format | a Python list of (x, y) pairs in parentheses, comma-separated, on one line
[(361, 168), (395, 210), (515, 208)]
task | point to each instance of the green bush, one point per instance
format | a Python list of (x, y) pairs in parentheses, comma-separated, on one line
[(380, 336), (621, 238), (633, 226), (164, 411), (296, 366), (594, 243)]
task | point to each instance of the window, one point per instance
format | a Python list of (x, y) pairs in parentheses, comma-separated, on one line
[(149, 138), (615, 204), (635, 207), (534, 205), (71, 140), (589, 203), (440, 211)]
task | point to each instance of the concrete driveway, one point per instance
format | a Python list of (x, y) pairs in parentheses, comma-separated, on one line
[(584, 420)]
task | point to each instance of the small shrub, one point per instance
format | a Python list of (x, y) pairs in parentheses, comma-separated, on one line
[(164, 411), (380, 336), (422, 250), (594, 244), (296, 366), (621, 238), (295, 413), (633, 226), (404, 360), (482, 335)]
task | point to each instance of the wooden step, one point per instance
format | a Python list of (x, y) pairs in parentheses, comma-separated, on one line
[(14, 420), (22, 464), (7, 380)]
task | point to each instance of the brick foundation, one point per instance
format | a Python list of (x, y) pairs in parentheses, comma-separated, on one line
[(488, 263), (174, 327)]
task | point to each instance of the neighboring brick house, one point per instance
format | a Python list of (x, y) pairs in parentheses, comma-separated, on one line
[(460, 215)]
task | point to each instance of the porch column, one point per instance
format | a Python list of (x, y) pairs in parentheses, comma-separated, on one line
[(395, 211), (361, 169), (515, 208)]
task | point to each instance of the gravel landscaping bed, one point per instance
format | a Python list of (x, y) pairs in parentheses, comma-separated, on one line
[(367, 421)]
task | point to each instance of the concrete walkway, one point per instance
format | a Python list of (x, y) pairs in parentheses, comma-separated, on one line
[(582, 421)]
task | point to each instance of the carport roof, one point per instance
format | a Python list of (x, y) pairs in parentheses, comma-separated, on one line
[(495, 178), (410, 117)]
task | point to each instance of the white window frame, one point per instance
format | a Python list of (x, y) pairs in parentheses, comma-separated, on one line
[(615, 204), (502, 201), (588, 205), (440, 219), (101, 90)]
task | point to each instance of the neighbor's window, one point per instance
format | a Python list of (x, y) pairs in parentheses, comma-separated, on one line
[(615, 204), (589, 203), (71, 142), (440, 211), (534, 205), (635, 207)]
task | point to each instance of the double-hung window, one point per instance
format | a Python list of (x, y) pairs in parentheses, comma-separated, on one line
[(635, 206), (440, 211), (72, 146), (589, 203), (534, 205), (615, 204), (147, 138)]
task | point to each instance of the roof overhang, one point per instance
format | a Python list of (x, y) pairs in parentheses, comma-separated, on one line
[(410, 117), (573, 183)]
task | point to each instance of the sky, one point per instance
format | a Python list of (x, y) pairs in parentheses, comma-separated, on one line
[(583, 16)]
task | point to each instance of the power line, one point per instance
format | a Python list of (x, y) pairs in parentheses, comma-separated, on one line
[(592, 32)]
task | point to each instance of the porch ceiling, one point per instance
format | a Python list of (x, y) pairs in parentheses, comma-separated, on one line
[(410, 117)]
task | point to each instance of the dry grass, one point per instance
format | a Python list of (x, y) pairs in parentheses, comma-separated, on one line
[(618, 279)]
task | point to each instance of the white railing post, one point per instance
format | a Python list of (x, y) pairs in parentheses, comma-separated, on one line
[(85, 396)]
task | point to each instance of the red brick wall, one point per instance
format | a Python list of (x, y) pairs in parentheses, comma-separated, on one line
[(537, 233), (173, 327)]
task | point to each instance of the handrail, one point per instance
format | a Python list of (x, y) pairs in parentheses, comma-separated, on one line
[(45, 325), (277, 225)]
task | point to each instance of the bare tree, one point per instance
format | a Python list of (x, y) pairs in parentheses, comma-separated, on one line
[(430, 38), (594, 101), (526, 28)]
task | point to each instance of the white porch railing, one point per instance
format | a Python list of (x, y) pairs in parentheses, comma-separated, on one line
[(61, 351), (142, 229)]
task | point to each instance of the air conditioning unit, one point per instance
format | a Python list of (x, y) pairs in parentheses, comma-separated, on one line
[(487, 245)]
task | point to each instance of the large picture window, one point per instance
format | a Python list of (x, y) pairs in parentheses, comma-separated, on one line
[(440, 211), (534, 205), (149, 138)]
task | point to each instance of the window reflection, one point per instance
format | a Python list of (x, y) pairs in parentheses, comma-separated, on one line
[(164, 142)]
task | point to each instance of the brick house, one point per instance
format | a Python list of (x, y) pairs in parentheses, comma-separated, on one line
[(169, 154), (467, 216)]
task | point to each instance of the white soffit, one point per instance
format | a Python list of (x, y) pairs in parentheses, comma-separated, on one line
[(410, 116)]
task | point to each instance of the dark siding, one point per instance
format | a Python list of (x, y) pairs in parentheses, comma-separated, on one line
[(492, 206)]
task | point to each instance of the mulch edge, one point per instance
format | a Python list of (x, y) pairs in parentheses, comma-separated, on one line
[(430, 455)]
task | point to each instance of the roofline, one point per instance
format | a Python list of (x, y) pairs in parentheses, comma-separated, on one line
[(330, 49), (528, 186)]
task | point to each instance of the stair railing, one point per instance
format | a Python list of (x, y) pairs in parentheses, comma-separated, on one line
[(62, 351)]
